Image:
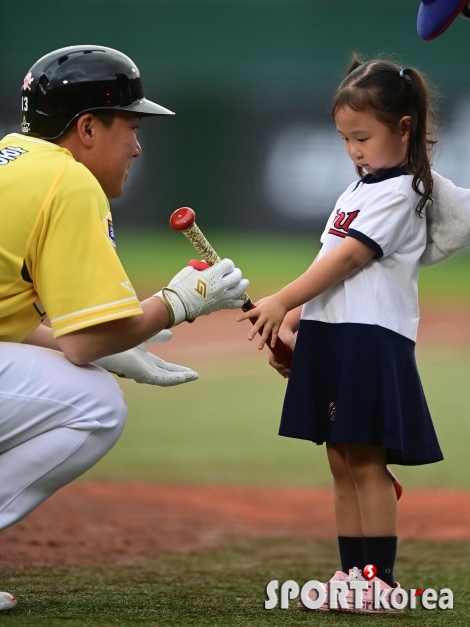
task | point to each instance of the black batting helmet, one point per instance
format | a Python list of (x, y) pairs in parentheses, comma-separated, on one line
[(70, 81)]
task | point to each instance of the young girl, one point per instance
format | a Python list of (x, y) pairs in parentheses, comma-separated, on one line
[(354, 383)]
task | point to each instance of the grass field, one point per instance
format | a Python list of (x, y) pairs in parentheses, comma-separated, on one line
[(225, 588)]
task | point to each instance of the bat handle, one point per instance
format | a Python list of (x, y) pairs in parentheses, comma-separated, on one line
[(184, 220), (281, 352)]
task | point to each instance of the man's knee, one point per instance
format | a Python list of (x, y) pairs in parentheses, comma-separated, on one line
[(118, 415), (114, 403), (109, 408)]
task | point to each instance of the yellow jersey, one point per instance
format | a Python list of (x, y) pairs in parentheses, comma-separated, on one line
[(57, 254)]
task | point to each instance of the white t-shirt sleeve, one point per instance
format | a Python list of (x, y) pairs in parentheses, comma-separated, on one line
[(385, 222), (338, 204)]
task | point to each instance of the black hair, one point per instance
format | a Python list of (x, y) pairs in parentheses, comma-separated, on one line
[(390, 93), (105, 116)]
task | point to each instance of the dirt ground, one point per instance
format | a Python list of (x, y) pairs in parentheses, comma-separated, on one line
[(118, 522), (93, 522)]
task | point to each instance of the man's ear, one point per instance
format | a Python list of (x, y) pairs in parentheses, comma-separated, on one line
[(404, 127), (86, 129)]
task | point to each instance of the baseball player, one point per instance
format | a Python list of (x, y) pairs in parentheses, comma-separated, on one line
[(60, 413)]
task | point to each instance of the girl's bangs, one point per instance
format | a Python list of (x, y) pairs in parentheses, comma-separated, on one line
[(355, 99)]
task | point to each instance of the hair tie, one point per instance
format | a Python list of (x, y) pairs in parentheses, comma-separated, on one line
[(402, 73)]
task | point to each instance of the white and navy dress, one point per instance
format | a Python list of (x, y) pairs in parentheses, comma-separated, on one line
[(354, 377)]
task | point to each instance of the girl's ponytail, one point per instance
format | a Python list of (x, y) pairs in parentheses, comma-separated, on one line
[(420, 140), (353, 65)]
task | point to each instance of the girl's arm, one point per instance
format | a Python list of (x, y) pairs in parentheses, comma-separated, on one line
[(287, 333), (339, 264)]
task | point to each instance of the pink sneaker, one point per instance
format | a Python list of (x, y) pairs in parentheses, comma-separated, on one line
[(338, 576), (368, 595), (355, 574)]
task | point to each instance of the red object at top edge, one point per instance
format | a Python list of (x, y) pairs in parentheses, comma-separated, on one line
[(182, 219)]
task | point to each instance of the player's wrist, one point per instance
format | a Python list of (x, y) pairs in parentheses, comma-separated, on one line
[(175, 306)]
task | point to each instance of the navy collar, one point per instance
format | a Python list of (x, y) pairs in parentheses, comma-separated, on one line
[(391, 173)]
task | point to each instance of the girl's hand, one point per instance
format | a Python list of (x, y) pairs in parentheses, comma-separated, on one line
[(270, 313), (288, 337)]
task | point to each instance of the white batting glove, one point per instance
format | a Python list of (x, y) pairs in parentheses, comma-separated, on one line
[(192, 293), (144, 367)]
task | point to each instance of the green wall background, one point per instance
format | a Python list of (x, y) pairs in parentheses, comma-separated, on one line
[(231, 43), (233, 70)]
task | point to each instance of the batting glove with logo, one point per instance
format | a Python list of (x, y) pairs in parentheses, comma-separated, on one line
[(192, 293), (144, 367)]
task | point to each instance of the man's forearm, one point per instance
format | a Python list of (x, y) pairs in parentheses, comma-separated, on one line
[(114, 336)]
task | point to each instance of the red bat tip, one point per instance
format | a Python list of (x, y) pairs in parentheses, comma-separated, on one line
[(182, 219)]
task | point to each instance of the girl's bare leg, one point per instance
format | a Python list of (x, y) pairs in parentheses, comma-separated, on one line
[(348, 514), (378, 507), (375, 492), (347, 511)]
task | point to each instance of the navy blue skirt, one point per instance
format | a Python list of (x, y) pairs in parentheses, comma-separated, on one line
[(359, 384)]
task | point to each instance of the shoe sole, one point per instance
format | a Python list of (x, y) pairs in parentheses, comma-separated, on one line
[(351, 610), (363, 611), (369, 612)]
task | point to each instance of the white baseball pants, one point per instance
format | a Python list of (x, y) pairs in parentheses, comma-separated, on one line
[(56, 421)]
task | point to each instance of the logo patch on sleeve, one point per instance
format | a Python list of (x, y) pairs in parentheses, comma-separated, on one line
[(111, 232), (342, 222)]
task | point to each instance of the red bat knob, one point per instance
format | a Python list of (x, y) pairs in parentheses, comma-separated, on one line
[(182, 219)]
